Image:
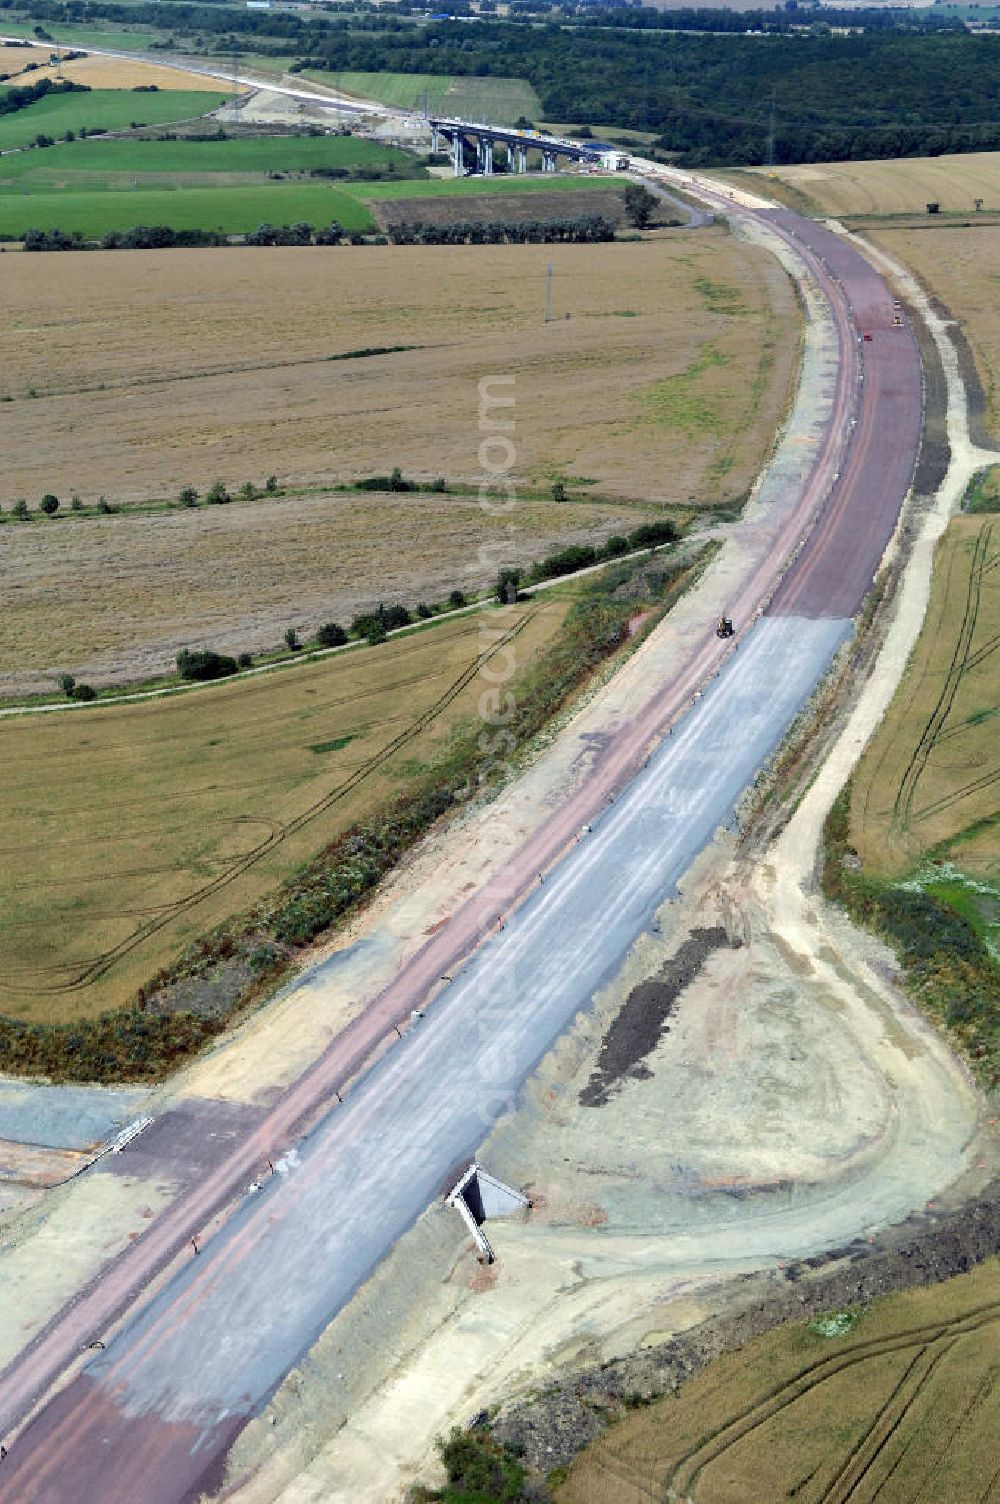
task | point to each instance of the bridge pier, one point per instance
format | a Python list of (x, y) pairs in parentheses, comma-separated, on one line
[(434, 139), (548, 161), (457, 154), (522, 159), (488, 156)]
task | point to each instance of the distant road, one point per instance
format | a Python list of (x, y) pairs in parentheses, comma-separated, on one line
[(149, 1420), (332, 100)]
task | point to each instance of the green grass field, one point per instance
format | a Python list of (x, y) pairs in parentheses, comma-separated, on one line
[(234, 210), (501, 100), (125, 38), (102, 109), (117, 165)]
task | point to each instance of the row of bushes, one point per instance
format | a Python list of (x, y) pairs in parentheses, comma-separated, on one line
[(140, 1044), (218, 494), (948, 968), (374, 626), (587, 229), (139, 238), (583, 555)]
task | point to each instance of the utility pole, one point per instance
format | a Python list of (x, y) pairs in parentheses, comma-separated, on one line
[(548, 293), (769, 153)]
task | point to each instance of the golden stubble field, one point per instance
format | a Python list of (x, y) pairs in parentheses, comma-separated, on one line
[(902, 185), (113, 598), (905, 1406), (96, 72), (154, 370), (139, 818), (931, 775)]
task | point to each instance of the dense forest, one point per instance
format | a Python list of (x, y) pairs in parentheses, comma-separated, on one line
[(889, 89), (709, 98)]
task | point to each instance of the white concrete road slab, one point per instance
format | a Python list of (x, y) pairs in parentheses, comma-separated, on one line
[(334, 1208)]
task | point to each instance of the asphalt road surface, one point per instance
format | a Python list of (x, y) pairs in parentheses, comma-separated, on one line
[(149, 1420)]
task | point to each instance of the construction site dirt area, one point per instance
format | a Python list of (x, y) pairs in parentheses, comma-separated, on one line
[(114, 599), (894, 1400), (141, 373), (927, 783), (568, 203), (151, 822)]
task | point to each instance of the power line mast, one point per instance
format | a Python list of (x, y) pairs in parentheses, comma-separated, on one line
[(769, 151)]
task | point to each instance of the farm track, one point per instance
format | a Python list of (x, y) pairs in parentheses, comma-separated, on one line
[(932, 1343), (957, 668), (100, 964)]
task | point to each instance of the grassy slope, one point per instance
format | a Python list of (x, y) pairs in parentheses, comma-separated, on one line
[(102, 109), (127, 39), (502, 100)]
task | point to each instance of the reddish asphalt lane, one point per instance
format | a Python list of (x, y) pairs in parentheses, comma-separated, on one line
[(63, 1453), (833, 575)]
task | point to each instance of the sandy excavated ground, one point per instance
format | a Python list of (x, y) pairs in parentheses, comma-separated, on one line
[(163, 369)]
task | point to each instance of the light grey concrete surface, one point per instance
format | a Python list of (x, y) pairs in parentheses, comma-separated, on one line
[(65, 1117), (337, 1205)]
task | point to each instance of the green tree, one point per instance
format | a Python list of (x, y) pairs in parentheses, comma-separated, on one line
[(292, 640), (217, 495), (330, 635), (187, 496), (558, 491), (68, 684), (507, 584), (21, 510), (639, 205), (49, 504), (271, 485), (248, 491)]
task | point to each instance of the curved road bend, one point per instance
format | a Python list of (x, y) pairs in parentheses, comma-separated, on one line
[(149, 1421)]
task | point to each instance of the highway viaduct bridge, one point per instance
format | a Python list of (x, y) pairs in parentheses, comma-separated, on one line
[(471, 139)]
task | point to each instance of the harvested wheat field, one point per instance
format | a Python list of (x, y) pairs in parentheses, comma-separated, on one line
[(928, 783), (661, 376), (903, 185), (97, 72), (961, 266), (149, 823), (894, 1402), (113, 598)]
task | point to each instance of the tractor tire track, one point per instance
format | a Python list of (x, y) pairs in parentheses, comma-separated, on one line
[(90, 971)]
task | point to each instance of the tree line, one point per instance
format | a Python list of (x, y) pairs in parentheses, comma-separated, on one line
[(586, 229), (21, 97)]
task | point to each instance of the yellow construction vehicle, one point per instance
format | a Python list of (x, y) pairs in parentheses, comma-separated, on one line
[(725, 627)]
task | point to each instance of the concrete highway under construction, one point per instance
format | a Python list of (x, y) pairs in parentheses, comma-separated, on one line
[(194, 1348)]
